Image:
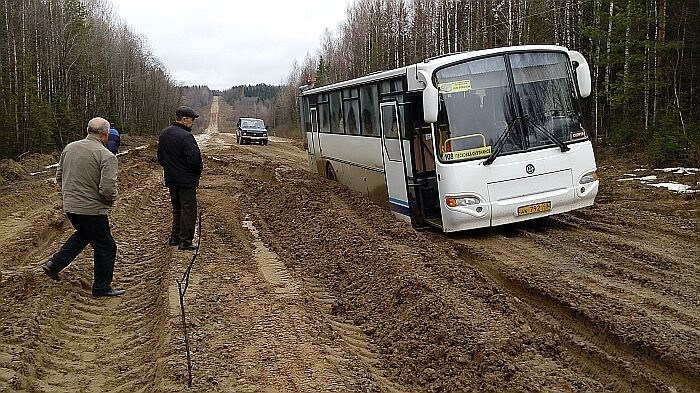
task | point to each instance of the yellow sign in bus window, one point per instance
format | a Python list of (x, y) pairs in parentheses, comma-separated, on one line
[(466, 154), (455, 87)]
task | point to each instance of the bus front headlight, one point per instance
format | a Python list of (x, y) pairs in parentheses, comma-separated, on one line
[(589, 177), (462, 201)]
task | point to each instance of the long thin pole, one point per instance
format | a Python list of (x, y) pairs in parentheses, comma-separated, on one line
[(182, 290), (184, 331)]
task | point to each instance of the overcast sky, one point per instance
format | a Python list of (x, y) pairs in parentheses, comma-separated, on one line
[(222, 43)]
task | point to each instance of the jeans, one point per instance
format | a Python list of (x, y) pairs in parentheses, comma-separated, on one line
[(184, 201), (93, 230)]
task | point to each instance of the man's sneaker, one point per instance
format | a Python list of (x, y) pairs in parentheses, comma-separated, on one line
[(49, 272), (188, 245), (174, 241), (111, 292)]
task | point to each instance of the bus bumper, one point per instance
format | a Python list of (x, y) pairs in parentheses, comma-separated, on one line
[(518, 208)]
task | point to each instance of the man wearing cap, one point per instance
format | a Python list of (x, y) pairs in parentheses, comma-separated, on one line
[(181, 160)]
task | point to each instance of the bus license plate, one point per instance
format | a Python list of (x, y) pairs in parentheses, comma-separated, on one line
[(536, 208)]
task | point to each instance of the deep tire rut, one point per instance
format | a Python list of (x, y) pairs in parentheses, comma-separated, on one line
[(593, 348)]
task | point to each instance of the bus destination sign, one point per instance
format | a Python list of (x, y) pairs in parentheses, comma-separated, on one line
[(467, 154), (455, 87)]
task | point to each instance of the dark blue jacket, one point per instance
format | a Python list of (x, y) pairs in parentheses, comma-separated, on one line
[(179, 156), (113, 141)]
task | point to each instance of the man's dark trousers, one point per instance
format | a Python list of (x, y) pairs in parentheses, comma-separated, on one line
[(184, 202), (93, 230)]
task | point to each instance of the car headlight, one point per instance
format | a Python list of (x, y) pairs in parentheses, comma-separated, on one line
[(462, 201), (589, 177)]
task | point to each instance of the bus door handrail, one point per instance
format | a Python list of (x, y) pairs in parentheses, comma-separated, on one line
[(475, 135)]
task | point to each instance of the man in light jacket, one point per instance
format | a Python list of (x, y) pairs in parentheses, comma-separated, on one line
[(87, 175)]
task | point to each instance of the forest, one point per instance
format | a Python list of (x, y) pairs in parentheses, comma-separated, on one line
[(252, 101), (643, 57), (66, 61)]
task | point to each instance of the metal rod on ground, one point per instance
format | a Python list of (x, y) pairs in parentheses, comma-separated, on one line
[(181, 290), (187, 341)]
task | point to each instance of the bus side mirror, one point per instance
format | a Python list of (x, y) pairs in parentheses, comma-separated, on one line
[(430, 98), (583, 73)]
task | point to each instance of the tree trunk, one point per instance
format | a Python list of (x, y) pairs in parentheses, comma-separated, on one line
[(608, 66)]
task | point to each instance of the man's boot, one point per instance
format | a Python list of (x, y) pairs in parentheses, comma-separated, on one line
[(174, 241), (48, 270), (188, 245), (109, 293)]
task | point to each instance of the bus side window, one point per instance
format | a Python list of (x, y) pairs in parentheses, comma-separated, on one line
[(352, 116), (337, 124), (367, 124), (370, 110), (324, 118)]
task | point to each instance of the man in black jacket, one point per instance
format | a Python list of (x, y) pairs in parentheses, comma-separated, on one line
[(181, 160)]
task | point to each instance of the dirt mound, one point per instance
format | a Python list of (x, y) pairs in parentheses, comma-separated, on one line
[(38, 162), (11, 171), (129, 141)]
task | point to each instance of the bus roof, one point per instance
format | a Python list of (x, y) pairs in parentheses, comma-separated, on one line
[(430, 64), (358, 81), (459, 57)]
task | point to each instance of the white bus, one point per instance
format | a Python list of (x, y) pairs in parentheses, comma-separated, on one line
[(460, 141)]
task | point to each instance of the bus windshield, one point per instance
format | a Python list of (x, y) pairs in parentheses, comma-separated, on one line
[(479, 101)]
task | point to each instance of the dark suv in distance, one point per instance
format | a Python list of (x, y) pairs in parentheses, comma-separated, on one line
[(249, 130)]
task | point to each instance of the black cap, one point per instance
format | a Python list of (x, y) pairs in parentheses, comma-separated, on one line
[(186, 111)]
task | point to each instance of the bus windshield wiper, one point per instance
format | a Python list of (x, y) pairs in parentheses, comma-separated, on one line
[(498, 146), (552, 137), (535, 126)]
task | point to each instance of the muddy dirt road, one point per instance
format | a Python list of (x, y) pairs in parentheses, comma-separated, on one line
[(302, 285)]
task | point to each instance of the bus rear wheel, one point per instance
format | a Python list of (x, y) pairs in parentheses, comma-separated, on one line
[(330, 172)]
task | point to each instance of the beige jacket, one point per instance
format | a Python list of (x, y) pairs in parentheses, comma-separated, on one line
[(87, 175)]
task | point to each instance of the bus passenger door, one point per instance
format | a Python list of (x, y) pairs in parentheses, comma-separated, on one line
[(394, 169)]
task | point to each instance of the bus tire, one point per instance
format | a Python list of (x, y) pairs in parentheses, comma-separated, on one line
[(330, 172)]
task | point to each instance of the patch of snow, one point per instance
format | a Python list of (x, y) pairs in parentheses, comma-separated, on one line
[(677, 187), (648, 178), (667, 170), (640, 170), (630, 174), (628, 179), (678, 170), (129, 150), (52, 166)]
